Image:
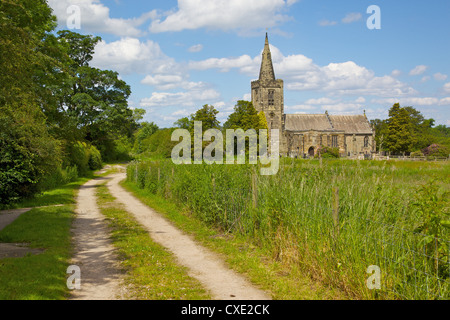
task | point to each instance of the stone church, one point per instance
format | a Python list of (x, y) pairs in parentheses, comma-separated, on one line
[(302, 134)]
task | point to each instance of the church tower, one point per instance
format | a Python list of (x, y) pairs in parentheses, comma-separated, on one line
[(267, 94)]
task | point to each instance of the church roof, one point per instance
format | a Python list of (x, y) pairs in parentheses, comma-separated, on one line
[(350, 124), (306, 122)]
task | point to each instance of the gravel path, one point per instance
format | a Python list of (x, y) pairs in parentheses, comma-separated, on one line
[(94, 253), (207, 267)]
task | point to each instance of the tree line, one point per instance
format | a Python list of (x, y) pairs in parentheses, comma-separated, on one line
[(59, 116), (406, 131)]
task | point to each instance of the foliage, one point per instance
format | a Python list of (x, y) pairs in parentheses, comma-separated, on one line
[(146, 130), (292, 218), (436, 150), (327, 152), (406, 130)]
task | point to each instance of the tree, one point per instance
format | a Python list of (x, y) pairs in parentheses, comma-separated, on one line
[(244, 117), (146, 130), (27, 151), (208, 116), (400, 137), (183, 123)]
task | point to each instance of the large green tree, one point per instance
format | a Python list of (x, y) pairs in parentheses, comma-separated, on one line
[(27, 150)]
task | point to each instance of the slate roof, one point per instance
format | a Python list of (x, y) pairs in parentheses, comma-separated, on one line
[(350, 124)]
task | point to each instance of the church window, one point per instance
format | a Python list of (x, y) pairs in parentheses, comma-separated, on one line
[(366, 142), (271, 97), (334, 141)]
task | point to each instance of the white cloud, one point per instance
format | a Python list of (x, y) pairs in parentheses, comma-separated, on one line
[(425, 78), (183, 99), (418, 70), (95, 18), (396, 73), (445, 101), (196, 48), (440, 77), (300, 73), (224, 64), (446, 87), (130, 55), (327, 23), (409, 101), (352, 17), (223, 15)]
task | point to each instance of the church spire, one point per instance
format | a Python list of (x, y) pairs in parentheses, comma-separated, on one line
[(266, 72)]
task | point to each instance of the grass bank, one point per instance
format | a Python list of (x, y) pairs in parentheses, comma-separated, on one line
[(282, 281), (42, 276), (330, 219)]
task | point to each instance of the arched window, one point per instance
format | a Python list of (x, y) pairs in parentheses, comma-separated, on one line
[(366, 142), (271, 97)]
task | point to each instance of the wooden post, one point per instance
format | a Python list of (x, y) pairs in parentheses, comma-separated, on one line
[(173, 172), (336, 210), (159, 174), (254, 190)]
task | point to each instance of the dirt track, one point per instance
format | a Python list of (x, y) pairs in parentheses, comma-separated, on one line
[(100, 278)]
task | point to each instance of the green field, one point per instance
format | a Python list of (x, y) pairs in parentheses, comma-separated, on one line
[(332, 219)]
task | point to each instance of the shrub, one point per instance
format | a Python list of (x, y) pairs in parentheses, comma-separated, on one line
[(327, 152), (436, 150), (95, 159)]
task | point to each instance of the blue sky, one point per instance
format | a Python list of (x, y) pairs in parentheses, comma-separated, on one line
[(178, 55)]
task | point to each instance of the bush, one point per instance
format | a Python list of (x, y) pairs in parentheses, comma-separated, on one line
[(95, 159), (85, 157), (436, 151), (327, 152)]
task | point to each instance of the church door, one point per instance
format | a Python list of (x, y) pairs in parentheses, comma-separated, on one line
[(311, 152)]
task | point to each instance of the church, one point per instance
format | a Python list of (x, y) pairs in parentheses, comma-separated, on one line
[(301, 135)]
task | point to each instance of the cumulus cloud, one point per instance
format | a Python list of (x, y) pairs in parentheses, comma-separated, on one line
[(95, 17), (446, 87), (300, 73), (352, 17), (223, 15), (130, 55), (196, 48), (440, 77), (418, 70), (180, 99), (327, 23)]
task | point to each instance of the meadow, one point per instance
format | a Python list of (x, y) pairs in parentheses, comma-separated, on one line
[(334, 219)]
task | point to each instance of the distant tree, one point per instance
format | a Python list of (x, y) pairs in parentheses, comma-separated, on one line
[(146, 130), (400, 134), (183, 123), (208, 116), (380, 127), (244, 117)]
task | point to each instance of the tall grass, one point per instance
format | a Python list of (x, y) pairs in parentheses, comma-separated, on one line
[(291, 214)]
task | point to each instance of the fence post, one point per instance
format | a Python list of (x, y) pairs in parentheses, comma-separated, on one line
[(254, 189), (336, 210), (159, 174)]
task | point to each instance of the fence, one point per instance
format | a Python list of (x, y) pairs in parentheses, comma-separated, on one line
[(336, 246)]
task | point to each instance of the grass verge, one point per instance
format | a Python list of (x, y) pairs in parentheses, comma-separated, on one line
[(42, 276), (282, 281), (151, 272)]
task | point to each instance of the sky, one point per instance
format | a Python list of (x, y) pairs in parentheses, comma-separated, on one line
[(343, 57)]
